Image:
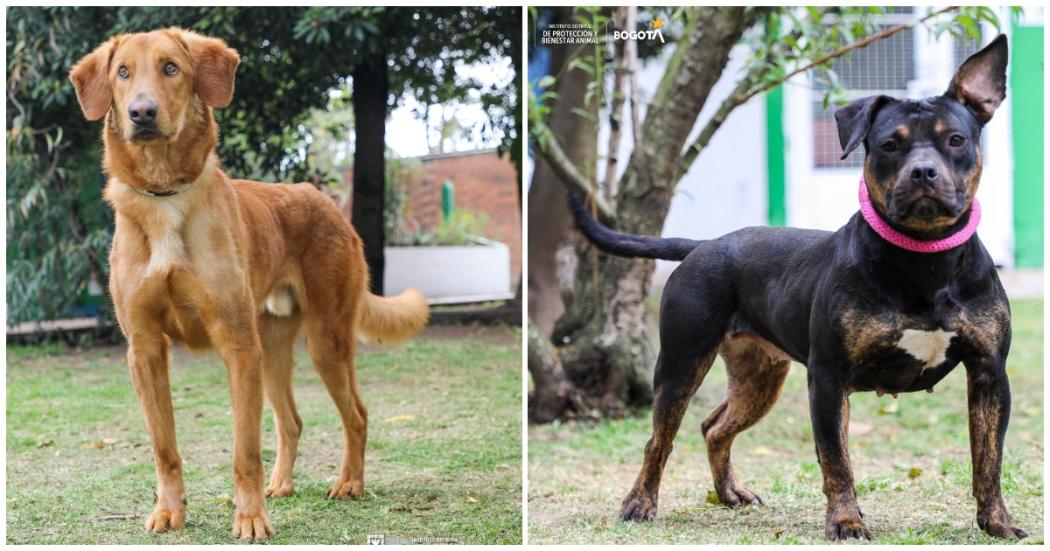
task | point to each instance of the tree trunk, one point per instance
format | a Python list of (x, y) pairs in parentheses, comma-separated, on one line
[(549, 219), (370, 94), (603, 336)]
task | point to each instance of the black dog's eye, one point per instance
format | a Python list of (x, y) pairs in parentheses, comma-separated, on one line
[(170, 68), (888, 146), (956, 140), (123, 72)]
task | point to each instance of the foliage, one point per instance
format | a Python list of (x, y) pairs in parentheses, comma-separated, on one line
[(460, 229), (783, 40), (59, 230)]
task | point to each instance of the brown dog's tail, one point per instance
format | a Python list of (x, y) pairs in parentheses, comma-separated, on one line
[(392, 319)]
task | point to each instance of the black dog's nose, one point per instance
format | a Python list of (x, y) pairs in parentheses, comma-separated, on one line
[(143, 111), (924, 174)]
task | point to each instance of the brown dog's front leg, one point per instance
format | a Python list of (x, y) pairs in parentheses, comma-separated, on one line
[(148, 362), (988, 393), (244, 364), (829, 410)]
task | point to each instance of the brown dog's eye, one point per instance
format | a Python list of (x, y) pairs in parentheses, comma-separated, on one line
[(888, 146), (122, 72), (170, 68), (956, 140)]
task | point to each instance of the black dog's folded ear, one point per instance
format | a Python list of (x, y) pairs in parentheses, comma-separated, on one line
[(854, 121), (980, 82)]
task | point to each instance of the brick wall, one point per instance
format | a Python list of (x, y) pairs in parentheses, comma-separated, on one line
[(483, 182)]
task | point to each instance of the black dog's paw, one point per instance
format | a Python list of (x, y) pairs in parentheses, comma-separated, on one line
[(739, 496), (999, 524), (845, 523), (638, 507)]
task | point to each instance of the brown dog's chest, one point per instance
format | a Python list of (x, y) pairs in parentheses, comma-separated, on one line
[(178, 257)]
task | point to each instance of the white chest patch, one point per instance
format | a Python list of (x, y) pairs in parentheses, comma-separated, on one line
[(929, 347)]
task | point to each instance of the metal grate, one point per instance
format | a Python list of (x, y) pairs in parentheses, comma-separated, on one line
[(964, 46), (884, 67)]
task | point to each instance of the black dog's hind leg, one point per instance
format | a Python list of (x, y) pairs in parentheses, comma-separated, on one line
[(988, 391), (829, 413), (677, 381), (755, 380)]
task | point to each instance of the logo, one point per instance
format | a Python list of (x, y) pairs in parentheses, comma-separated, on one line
[(652, 33), (376, 540)]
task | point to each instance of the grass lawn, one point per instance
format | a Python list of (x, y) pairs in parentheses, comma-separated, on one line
[(443, 457), (911, 461)]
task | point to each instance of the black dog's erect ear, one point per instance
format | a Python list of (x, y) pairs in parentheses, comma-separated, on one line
[(854, 121), (980, 82)]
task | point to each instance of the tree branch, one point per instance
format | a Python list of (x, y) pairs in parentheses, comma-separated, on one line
[(564, 168), (631, 55), (743, 91), (616, 110)]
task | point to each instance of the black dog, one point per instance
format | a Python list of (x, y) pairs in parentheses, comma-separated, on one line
[(862, 310)]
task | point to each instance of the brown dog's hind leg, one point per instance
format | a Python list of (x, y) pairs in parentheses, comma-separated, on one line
[(278, 341), (672, 398), (332, 348), (755, 380)]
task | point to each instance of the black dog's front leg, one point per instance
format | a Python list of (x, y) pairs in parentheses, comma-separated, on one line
[(988, 392), (829, 413)]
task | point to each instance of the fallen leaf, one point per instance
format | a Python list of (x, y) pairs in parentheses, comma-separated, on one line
[(889, 408), (914, 473), (45, 443), (777, 534), (762, 450), (109, 441), (472, 499), (712, 497), (399, 418)]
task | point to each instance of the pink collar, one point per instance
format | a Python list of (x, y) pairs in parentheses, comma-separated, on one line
[(903, 241)]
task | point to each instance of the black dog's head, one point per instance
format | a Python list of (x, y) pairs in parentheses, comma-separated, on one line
[(923, 158)]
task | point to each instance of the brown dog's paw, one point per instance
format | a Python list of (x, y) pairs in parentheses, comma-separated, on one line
[(164, 518), (251, 526), (280, 489), (638, 507), (999, 524), (347, 489)]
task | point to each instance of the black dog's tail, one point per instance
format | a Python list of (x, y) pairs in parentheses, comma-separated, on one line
[(624, 244)]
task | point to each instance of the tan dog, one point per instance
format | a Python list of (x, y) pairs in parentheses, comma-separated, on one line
[(207, 261)]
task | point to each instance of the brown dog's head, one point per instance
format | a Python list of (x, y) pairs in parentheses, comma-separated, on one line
[(150, 82), (922, 160)]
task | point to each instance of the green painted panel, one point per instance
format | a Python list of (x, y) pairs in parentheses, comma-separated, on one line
[(1026, 82), (775, 165)]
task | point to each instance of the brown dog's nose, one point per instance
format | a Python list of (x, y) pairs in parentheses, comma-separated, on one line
[(142, 111), (924, 174)]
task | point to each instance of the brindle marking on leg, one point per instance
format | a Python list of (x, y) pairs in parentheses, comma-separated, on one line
[(985, 329), (755, 380), (669, 408)]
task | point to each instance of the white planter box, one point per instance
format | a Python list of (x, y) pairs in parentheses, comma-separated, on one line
[(448, 275)]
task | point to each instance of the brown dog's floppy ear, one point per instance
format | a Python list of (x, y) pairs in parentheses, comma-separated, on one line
[(214, 67), (854, 121), (90, 77), (980, 82)]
